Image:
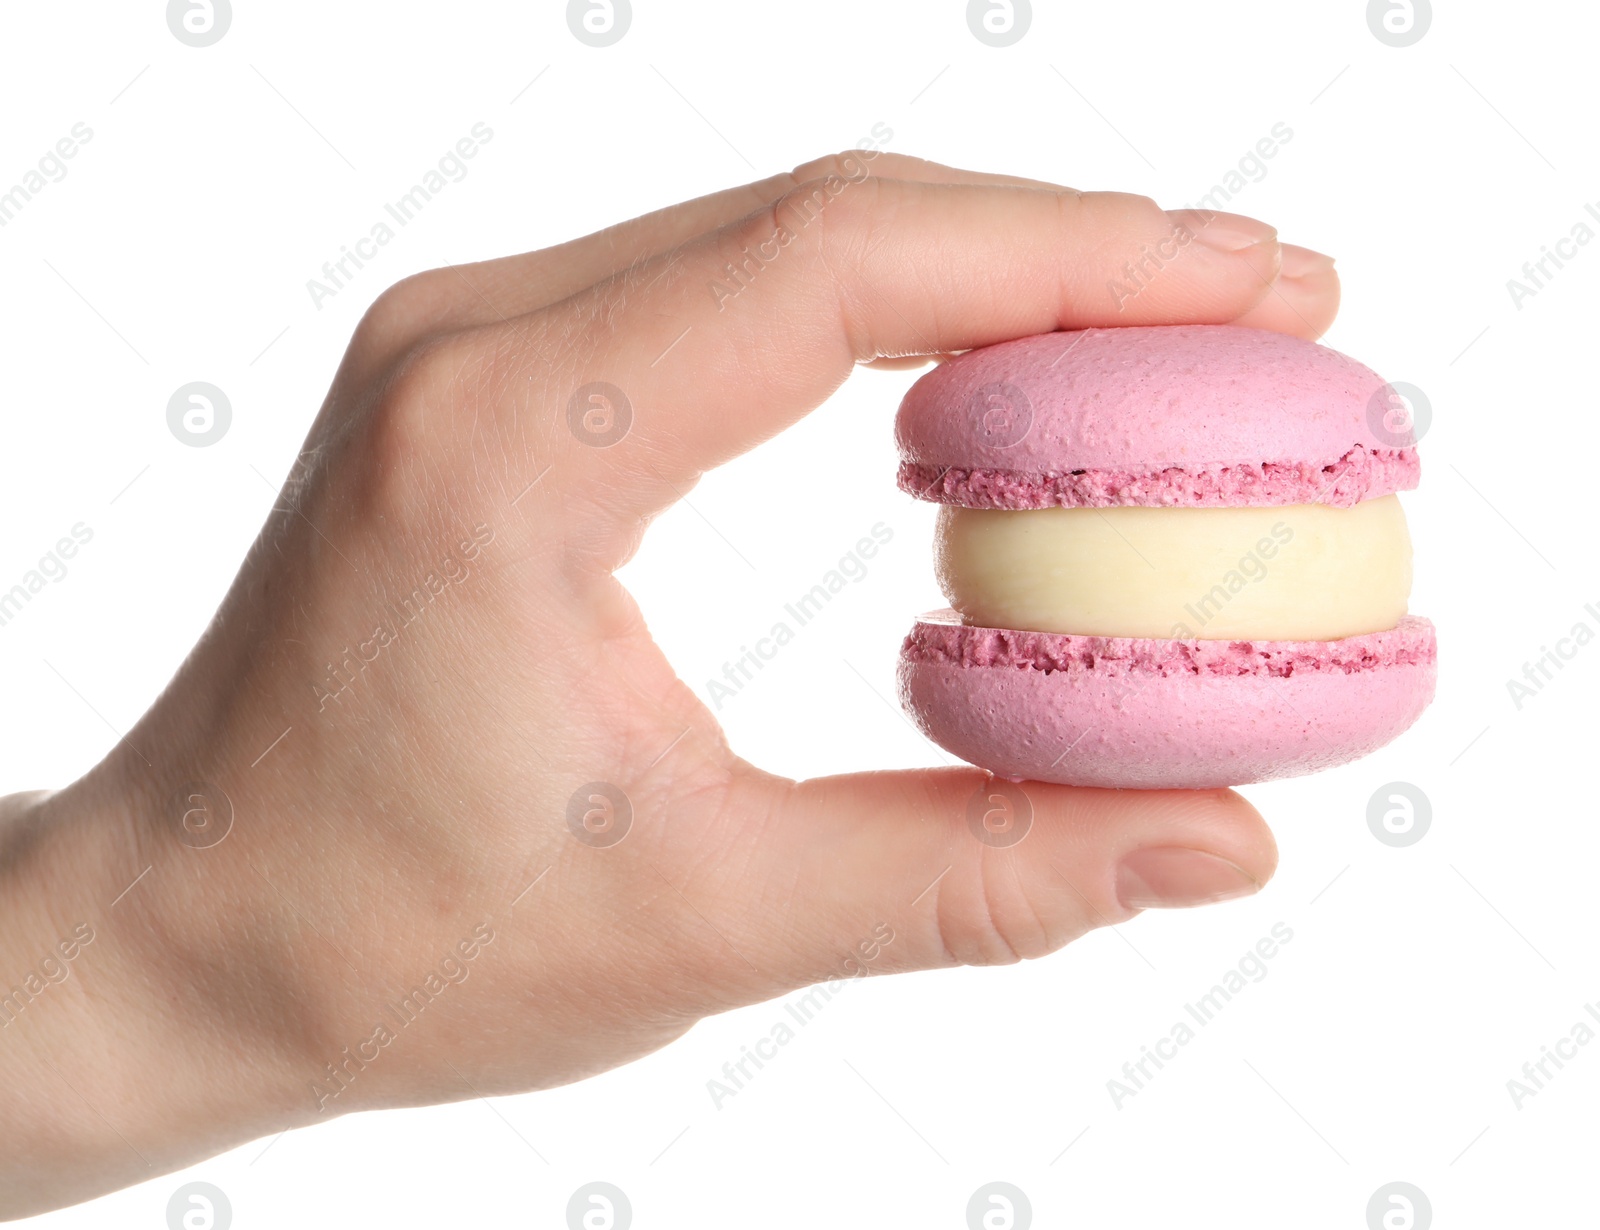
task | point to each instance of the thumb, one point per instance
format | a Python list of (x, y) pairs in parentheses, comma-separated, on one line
[(963, 868)]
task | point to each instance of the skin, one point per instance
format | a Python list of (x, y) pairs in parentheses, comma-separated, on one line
[(388, 823)]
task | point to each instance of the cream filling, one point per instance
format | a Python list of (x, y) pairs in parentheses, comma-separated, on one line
[(1297, 572)]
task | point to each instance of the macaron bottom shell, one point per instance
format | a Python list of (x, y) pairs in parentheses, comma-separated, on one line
[(1161, 714)]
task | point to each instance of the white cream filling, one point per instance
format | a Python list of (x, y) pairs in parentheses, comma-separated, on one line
[(1298, 572)]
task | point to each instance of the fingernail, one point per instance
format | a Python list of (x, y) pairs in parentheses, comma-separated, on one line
[(1298, 262), (1312, 291), (1223, 232), (1171, 877)]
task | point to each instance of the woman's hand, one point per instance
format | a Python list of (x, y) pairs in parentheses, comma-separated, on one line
[(482, 839)]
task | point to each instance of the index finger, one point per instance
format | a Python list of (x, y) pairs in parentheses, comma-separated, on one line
[(732, 337)]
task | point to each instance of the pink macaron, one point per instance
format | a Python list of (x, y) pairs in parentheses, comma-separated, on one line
[(1177, 417)]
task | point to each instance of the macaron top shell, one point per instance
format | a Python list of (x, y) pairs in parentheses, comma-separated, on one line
[(1176, 415)]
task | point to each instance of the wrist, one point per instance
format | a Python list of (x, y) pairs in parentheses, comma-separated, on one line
[(112, 966)]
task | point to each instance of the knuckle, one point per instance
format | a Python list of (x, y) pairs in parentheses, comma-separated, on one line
[(835, 206), (435, 370), (428, 388), (404, 313), (846, 164), (992, 921), (839, 222)]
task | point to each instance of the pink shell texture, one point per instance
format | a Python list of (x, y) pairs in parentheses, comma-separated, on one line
[(1177, 415), (1153, 714)]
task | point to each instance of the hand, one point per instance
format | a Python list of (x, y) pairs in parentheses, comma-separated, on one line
[(425, 656)]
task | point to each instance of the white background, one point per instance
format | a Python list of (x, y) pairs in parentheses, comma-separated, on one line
[(1418, 981)]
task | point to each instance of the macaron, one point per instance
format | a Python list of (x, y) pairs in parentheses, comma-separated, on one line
[(1174, 558)]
